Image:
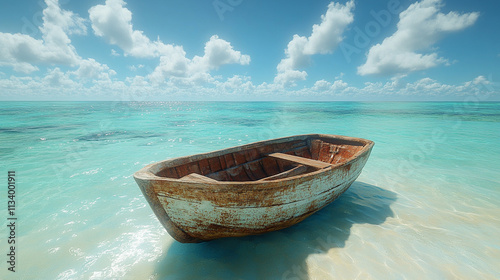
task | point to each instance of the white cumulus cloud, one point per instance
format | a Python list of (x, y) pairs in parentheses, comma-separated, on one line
[(55, 78), (113, 21), (21, 51), (325, 86), (325, 38), (174, 63), (66, 20), (217, 53), (140, 88), (91, 69), (419, 27), (288, 77)]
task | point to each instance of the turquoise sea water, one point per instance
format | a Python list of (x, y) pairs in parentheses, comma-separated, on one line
[(427, 205)]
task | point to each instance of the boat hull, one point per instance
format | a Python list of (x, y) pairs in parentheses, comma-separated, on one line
[(202, 211)]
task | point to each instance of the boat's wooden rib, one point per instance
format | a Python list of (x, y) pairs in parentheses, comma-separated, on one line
[(289, 173), (300, 160), (251, 189)]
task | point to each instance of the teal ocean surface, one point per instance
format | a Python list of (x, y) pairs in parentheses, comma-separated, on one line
[(426, 206)]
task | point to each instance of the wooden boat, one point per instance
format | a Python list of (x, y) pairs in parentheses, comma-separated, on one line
[(251, 189)]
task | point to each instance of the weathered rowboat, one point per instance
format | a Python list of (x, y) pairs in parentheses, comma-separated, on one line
[(251, 189)]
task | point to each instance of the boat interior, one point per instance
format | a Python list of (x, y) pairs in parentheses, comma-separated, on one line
[(265, 162)]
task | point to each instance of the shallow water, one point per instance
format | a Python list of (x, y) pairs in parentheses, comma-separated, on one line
[(427, 204)]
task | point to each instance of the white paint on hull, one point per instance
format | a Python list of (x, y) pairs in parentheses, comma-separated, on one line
[(187, 214)]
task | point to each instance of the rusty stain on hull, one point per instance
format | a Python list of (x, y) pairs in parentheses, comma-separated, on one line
[(251, 189)]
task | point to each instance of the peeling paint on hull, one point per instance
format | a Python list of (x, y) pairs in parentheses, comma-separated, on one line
[(200, 210)]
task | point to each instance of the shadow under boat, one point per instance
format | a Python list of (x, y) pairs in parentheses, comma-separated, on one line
[(280, 254)]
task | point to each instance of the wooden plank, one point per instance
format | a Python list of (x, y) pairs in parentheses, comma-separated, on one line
[(229, 160), (224, 176), (219, 176), (168, 172), (300, 160), (255, 169), (182, 170), (214, 164), (289, 173), (194, 167), (251, 155), (270, 166), (297, 144), (223, 163), (250, 174), (239, 157), (302, 152), (238, 173), (315, 145), (195, 177), (264, 150), (204, 166), (325, 152), (334, 150), (283, 165)]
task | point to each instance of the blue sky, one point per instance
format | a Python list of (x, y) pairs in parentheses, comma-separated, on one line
[(249, 50)]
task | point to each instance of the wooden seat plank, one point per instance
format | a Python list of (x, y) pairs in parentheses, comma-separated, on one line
[(300, 160)]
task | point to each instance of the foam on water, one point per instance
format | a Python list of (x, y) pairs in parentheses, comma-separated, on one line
[(427, 204)]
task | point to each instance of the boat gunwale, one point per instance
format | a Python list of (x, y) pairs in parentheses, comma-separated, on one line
[(146, 172)]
